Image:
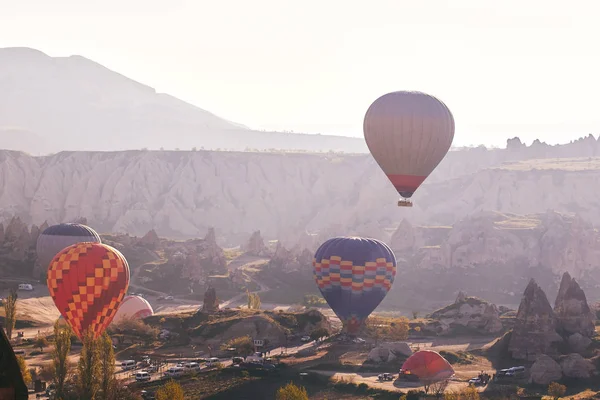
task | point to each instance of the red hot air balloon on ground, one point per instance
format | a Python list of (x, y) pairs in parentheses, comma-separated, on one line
[(429, 366), (88, 282), (408, 134)]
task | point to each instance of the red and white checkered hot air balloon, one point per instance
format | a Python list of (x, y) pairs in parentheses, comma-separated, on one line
[(408, 134), (88, 282)]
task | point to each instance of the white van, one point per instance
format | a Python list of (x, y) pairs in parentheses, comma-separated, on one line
[(128, 364), (142, 376), (212, 361), (191, 367), (174, 371), (25, 286)]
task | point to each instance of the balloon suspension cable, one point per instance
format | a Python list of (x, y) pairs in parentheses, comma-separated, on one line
[(404, 203)]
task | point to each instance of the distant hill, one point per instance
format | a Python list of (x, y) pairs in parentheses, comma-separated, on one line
[(50, 104)]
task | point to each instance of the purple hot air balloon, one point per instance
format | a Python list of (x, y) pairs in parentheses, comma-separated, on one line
[(354, 275)]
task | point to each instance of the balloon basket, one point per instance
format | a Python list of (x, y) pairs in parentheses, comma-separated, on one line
[(405, 203)]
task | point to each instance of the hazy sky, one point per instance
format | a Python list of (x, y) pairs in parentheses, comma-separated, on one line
[(529, 67)]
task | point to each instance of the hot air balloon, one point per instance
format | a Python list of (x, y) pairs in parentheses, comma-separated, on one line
[(354, 275), (56, 237), (133, 307), (429, 366), (88, 282), (408, 134)]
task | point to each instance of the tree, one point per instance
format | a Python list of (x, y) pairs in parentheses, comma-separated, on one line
[(253, 301), (291, 392), (399, 329), (319, 333), (415, 314), (10, 312), (438, 388), (60, 357), (311, 300), (556, 390), (41, 342), (170, 391), (88, 368), (107, 365), (244, 346), (24, 370)]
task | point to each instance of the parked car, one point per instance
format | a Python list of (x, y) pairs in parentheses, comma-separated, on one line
[(386, 376), (152, 368), (147, 395), (359, 340), (169, 298), (211, 362), (128, 364), (476, 381), (192, 367), (142, 376), (305, 339), (237, 360), (25, 286), (174, 371)]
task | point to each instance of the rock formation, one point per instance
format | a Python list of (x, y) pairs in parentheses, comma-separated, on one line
[(211, 302), (17, 248), (534, 332), (578, 343), (256, 246), (575, 366), (181, 194), (389, 351), (150, 240), (545, 370), (466, 314), (572, 310)]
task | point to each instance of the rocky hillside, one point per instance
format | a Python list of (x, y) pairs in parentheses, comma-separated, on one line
[(496, 253), (51, 104), (285, 195)]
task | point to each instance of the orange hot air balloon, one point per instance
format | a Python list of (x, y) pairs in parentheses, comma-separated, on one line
[(408, 134), (88, 282)]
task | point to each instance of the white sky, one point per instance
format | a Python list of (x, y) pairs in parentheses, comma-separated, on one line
[(504, 67)]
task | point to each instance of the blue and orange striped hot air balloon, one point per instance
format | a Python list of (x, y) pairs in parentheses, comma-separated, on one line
[(354, 275)]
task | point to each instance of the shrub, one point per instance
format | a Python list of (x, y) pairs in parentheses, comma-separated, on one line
[(291, 392)]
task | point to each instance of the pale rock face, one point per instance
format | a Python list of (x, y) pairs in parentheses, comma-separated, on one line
[(534, 332), (545, 370), (466, 313), (551, 240), (572, 310), (389, 351), (578, 343), (255, 245), (183, 193), (575, 366)]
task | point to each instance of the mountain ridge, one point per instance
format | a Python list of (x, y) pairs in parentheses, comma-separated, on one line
[(49, 104)]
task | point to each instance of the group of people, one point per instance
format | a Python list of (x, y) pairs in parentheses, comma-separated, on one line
[(484, 377)]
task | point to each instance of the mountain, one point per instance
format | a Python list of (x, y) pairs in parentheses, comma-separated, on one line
[(50, 104), (285, 195)]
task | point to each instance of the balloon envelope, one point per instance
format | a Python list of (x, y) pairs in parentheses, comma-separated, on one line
[(429, 366), (88, 282), (408, 134), (133, 307), (354, 275), (56, 237)]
